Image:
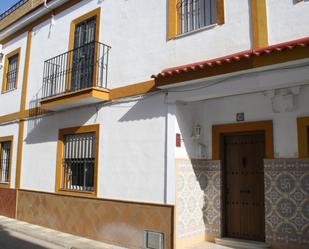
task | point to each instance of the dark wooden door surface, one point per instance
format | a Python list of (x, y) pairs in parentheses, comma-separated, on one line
[(244, 186)]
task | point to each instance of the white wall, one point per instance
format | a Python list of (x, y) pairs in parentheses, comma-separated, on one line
[(10, 101), (287, 20), (136, 31), (11, 130), (257, 107), (132, 149)]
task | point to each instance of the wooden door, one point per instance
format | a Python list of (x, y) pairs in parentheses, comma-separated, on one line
[(244, 186), (84, 54)]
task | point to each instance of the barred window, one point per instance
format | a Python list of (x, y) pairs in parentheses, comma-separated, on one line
[(11, 76), (5, 157), (79, 162), (195, 14)]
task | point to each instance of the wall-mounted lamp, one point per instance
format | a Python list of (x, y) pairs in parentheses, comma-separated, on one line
[(197, 129)]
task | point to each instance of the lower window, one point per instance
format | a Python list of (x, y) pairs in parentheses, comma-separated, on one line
[(5, 160), (78, 163)]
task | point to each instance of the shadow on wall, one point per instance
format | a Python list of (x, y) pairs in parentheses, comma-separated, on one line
[(199, 198), (45, 128), (151, 106)]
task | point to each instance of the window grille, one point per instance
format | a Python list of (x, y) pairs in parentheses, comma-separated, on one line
[(79, 162), (5, 161), (12, 73), (195, 14)]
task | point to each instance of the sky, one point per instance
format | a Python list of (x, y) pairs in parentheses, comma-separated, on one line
[(5, 4)]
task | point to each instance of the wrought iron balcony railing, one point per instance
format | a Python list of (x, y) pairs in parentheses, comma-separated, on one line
[(12, 9), (80, 68)]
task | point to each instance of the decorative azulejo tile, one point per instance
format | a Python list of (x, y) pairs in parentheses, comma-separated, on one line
[(287, 201), (198, 197)]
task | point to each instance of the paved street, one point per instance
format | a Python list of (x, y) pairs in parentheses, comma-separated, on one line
[(14, 240)]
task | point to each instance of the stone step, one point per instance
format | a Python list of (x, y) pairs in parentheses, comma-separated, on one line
[(242, 244)]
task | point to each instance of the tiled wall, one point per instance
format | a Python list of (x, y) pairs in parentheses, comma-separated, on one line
[(115, 222), (198, 203), (8, 202), (287, 202)]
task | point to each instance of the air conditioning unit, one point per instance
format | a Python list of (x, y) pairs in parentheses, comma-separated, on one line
[(153, 240)]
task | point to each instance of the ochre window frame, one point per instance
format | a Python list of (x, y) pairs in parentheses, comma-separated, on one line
[(6, 68), (174, 22), (265, 126), (11, 140), (60, 153), (94, 13), (303, 136)]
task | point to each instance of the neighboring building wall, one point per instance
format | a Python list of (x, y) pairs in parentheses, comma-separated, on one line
[(20, 12), (283, 109), (11, 100), (115, 222), (287, 202), (11, 130), (198, 203), (287, 20)]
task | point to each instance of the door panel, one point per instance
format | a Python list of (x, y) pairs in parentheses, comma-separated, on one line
[(244, 184), (84, 54)]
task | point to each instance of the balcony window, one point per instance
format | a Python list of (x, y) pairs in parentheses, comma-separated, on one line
[(82, 67)]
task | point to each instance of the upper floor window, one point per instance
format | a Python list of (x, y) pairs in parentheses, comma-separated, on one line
[(185, 16), (11, 67), (78, 155), (5, 159), (195, 14)]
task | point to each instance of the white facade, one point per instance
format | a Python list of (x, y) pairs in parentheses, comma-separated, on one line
[(137, 152)]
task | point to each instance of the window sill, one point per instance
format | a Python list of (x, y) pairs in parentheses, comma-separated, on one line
[(8, 91), (4, 185), (77, 193), (196, 31)]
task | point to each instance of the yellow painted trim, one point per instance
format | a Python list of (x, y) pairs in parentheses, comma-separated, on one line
[(303, 136), (92, 92), (219, 130), (94, 13), (259, 23), (19, 154), (173, 19), (22, 109), (77, 130), (11, 140), (220, 12), (133, 90), (26, 72), (6, 67)]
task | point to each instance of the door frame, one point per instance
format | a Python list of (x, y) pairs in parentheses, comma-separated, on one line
[(218, 132), (94, 13)]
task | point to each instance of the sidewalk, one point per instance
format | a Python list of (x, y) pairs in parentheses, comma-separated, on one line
[(63, 240)]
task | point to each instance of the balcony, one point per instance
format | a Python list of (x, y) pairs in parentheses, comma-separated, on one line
[(76, 78)]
